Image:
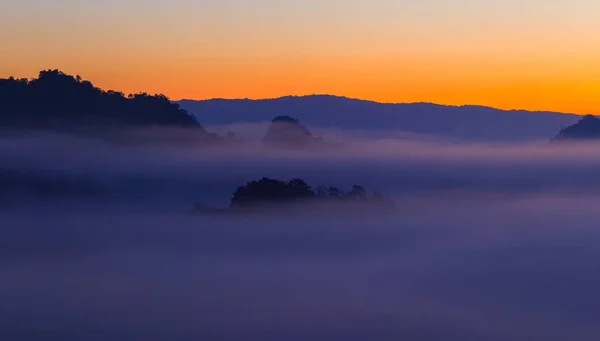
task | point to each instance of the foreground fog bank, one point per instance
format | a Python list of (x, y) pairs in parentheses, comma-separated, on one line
[(522, 269), (487, 242)]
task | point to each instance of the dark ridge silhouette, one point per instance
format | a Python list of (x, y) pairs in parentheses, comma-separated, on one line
[(588, 128), (476, 123), (59, 101), (276, 196), (286, 131)]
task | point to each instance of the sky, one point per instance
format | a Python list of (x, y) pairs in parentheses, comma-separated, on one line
[(526, 54)]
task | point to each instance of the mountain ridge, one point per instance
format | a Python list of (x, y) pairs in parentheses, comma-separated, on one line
[(466, 122), (182, 100)]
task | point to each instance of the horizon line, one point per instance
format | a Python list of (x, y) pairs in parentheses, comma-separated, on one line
[(333, 96), (377, 102)]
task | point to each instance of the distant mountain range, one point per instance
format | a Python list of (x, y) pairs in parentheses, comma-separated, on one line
[(473, 123), (58, 101)]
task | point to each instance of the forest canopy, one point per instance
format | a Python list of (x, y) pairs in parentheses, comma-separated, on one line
[(58, 100)]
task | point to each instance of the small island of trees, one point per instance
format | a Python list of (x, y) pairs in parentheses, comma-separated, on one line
[(276, 196)]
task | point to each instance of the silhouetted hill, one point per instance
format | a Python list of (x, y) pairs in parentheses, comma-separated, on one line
[(588, 128), (287, 131), (322, 111), (59, 101)]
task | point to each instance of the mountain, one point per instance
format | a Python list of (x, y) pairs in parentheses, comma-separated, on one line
[(59, 101), (588, 128), (287, 131), (475, 123)]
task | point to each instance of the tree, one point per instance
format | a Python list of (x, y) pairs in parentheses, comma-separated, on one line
[(321, 191), (334, 192), (357, 193), (300, 188), (270, 190)]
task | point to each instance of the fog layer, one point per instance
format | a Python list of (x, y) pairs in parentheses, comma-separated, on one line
[(488, 242)]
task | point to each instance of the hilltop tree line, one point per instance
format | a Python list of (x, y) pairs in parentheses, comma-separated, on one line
[(56, 99), (588, 128)]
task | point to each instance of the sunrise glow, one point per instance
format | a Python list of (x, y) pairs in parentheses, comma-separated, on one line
[(530, 54)]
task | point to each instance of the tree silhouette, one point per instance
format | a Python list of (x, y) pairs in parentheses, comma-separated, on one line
[(270, 191), (329, 192), (357, 193), (300, 189), (58, 100), (334, 192)]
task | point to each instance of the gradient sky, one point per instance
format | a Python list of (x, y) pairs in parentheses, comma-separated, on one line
[(533, 54)]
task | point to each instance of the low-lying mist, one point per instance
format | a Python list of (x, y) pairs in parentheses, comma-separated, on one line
[(165, 173), (488, 242)]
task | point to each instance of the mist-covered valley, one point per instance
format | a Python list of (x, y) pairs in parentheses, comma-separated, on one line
[(486, 241), (278, 170)]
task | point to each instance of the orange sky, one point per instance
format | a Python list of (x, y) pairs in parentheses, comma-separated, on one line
[(532, 54)]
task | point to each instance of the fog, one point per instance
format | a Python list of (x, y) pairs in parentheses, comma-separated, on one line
[(488, 242)]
